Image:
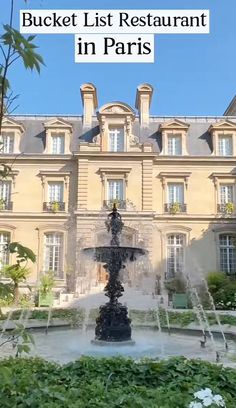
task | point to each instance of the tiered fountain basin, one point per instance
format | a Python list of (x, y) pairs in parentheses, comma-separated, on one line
[(104, 254), (113, 326)]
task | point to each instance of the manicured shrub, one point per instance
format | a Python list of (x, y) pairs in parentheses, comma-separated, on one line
[(223, 290)]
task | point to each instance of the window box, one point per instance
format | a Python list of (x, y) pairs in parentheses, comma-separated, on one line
[(120, 204), (175, 208), (54, 206), (226, 208)]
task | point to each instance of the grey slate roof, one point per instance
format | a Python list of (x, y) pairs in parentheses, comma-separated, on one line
[(198, 138)]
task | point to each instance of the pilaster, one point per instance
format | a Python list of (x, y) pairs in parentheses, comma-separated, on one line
[(147, 187)]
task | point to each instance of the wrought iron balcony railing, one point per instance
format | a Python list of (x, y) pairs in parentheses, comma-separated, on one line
[(6, 205), (54, 206), (120, 204), (175, 208), (226, 208)]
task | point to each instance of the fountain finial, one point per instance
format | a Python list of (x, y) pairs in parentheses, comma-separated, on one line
[(114, 225)]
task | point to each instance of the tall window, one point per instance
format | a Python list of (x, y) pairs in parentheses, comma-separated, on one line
[(175, 193), (116, 139), (227, 254), (53, 253), (4, 254), (55, 192), (174, 144), (115, 190), (5, 191), (58, 143), (7, 142), (226, 194), (225, 145), (175, 254)]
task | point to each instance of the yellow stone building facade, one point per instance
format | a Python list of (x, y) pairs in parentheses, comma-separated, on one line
[(173, 179)]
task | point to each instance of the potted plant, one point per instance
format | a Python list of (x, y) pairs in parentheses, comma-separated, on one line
[(47, 282), (176, 288), (17, 274), (175, 208), (55, 205), (229, 207)]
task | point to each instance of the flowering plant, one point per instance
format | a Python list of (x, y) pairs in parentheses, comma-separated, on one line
[(205, 398)]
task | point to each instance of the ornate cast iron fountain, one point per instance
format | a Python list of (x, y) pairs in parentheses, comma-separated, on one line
[(113, 323)]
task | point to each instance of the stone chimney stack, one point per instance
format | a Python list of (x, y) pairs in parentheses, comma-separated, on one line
[(90, 103), (143, 102)]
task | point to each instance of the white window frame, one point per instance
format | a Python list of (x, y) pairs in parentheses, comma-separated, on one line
[(55, 191), (227, 253), (53, 253), (115, 142), (5, 190), (226, 193), (174, 144), (7, 140), (177, 251), (223, 149), (58, 143), (4, 255), (175, 196), (118, 190)]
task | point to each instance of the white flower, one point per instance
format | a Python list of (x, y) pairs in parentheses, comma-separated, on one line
[(202, 394), (195, 405), (207, 401), (218, 400)]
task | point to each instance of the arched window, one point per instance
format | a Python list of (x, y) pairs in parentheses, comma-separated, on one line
[(4, 254), (53, 253), (175, 254), (227, 244)]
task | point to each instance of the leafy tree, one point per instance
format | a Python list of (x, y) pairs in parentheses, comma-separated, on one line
[(14, 46), (18, 272)]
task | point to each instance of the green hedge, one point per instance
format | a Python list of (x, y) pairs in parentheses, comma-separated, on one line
[(111, 383), (139, 317)]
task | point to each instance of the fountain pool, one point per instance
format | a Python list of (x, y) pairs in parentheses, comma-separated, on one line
[(64, 345)]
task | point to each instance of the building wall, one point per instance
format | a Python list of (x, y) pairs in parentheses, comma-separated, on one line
[(146, 173)]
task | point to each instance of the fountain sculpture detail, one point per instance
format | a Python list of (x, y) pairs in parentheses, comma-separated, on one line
[(113, 323)]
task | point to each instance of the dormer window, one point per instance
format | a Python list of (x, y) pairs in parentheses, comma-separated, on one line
[(225, 145), (116, 139), (174, 137), (7, 142), (58, 137), (223, 135), (116, 126), (174, 144), (58, 143), (10, 136)]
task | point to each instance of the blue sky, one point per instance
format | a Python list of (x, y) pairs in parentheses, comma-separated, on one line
[(192, 74)]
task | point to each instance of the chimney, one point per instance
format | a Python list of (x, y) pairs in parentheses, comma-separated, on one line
[(143, 102), (90, 103)]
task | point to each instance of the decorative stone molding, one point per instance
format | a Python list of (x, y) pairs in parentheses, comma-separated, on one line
[(116, 115), (181, 176)]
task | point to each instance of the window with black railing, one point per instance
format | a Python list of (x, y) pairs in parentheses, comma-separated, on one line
[(54, 206)]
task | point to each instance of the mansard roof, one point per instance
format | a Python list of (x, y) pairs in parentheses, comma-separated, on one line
[(199, 140)]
